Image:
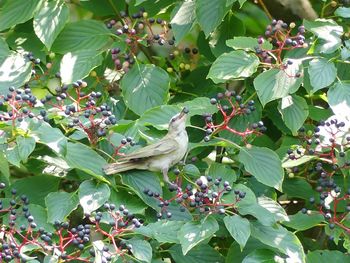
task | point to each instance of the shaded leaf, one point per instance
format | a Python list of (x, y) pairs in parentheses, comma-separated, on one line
[(322, 73), (60, 205), (26, 146), (294, 111), (162, 231), (239, 228), (183, 19), (233, 65), (140, 181), (146, 83), (274, 83), (264, 164), (80, 35), (210, 14), (301, 222), (141, 249), (199, 254), (84, 158)]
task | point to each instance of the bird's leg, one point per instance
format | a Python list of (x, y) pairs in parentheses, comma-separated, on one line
[(166, 178), (165, 175)]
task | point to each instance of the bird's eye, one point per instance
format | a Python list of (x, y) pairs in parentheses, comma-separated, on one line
[(173, 119)]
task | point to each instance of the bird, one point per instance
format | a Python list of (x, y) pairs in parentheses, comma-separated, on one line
[(159, 156)]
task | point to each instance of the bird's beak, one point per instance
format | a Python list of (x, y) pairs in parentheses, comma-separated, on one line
[(183, 112)]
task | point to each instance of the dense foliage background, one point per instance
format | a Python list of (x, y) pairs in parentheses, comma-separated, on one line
[(267, 173)]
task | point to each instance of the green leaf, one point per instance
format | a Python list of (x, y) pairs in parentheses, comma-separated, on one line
[(60, 205), (298, 187), (224, 171), (162, 231), (239, 228), (199, 254), (328, 32), (294, 111), (12, 155), (51, 259), (51, 137), (36, 188), (276, 210), (339, 98), (280, 238), (26, 146), (263, 164), (141, 249), (241, 2), (40, 218), (293, 163), (134, 205), (92, 196), (144, 87), (210, 14), (326, 256), (247, 43), (4, 166), (82, 157), (343, 12), (193, 233), (17, 12), (4, 49), (301, 222), (192, 171), (15, 71), (159, 117), (235, 64), (183, 19), (274, 83), (261, 256), (50, 21), (139, 181), (322, 73), (230, 27), (80, 35), (77, 65)]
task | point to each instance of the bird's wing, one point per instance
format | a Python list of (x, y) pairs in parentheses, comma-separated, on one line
[(163, 146)]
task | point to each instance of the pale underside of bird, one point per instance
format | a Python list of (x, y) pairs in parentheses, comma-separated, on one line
[(159, 156)]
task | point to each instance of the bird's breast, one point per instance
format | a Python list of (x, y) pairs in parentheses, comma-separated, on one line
[(167, 160)]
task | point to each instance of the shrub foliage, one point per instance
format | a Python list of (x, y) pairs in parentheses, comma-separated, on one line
[(266, 176)]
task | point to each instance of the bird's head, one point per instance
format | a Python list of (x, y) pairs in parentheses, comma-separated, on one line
[(178, 122)]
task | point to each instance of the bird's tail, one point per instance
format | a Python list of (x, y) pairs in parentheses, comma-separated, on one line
[(114, 168)]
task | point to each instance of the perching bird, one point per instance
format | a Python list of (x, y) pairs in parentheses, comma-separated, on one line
[(159, 156)]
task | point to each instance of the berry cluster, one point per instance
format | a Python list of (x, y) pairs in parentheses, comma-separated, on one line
[(182, 60), (230, 106), (279, 34), (327, 143), (123, 143), (19, 104), (204, 197), (32, 58), (82, 109), (136, 30), (67, 243)]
